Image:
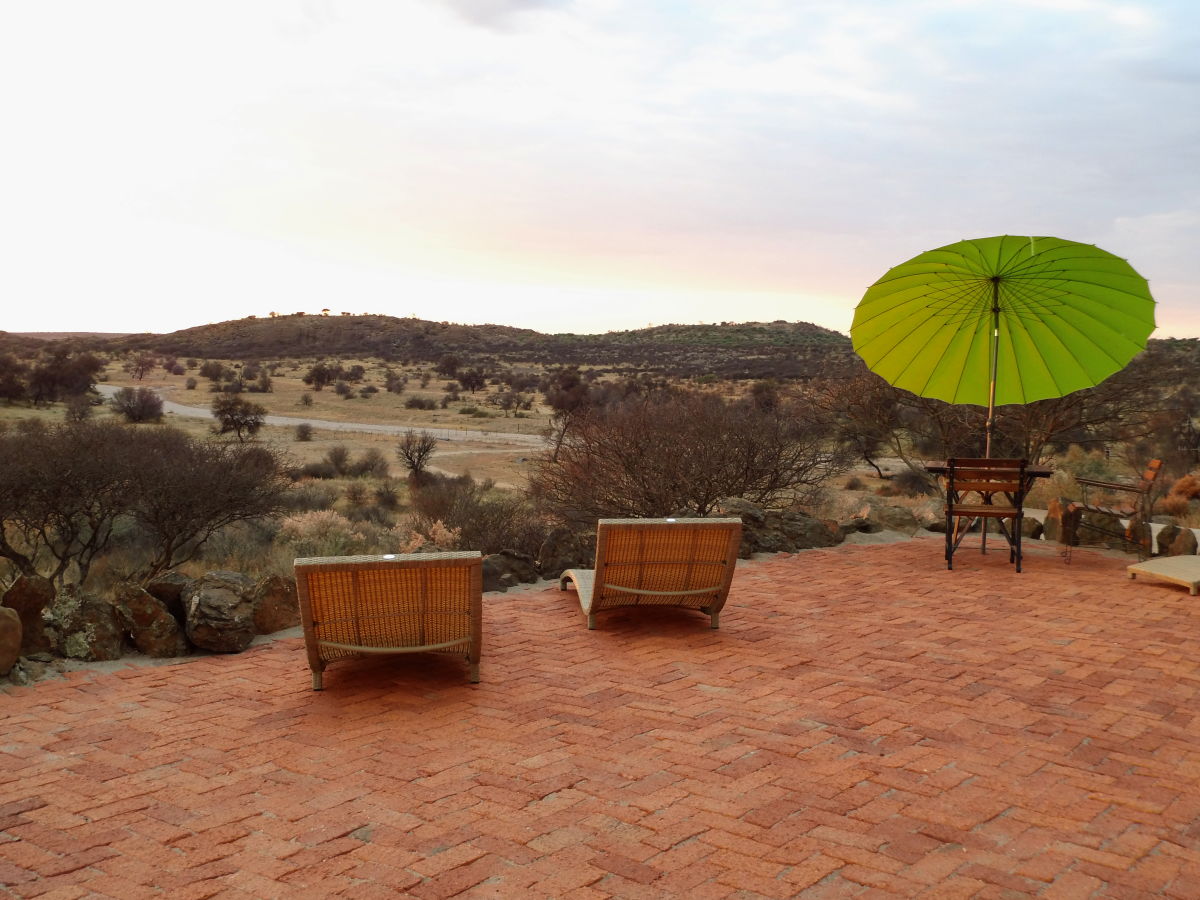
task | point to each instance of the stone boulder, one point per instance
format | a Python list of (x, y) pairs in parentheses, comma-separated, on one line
[(275, 604), (736, 507), (566, 549), (83, 626), (930, 515), (889, 517), (148, 622), (1098, 530), (508, 568), (220, 612), (770, 531), (1031, 528), (804, 531), (1176, 541), (29, 596), (169, 587), (10, 639)]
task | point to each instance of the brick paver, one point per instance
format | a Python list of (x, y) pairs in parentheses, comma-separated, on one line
[(864, 722)]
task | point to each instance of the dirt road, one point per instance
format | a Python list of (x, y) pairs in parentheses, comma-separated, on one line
[(445, 434)]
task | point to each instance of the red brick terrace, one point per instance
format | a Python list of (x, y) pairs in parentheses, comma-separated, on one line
[(863, 723)]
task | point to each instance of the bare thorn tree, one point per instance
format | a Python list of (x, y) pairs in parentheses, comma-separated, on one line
[(669, 451), (415, 449)]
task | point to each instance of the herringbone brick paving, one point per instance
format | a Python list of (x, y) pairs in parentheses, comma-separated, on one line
[(863, 723)]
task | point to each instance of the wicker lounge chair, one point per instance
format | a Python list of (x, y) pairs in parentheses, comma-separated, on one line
[(659, 562), (405, 603)]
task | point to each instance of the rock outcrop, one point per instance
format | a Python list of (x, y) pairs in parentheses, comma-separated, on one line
[(169, 587), (10, 639), (148, 622), (771, 531), (83, 626), (29, 596), (890, 517), (566, 549), (1176, 541), (508, 568), (220, 612), (275, 604)]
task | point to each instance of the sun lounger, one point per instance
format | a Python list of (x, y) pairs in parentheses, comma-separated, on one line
[(1184, 570), (399, 603), (659, 562)]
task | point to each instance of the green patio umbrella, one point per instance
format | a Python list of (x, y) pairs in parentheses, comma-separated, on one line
[(1002, 320)]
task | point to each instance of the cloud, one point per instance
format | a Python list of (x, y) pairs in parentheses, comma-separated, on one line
[(764, 146), (496, 14)]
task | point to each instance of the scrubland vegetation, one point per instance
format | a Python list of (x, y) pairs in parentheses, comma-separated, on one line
[(100, 492)]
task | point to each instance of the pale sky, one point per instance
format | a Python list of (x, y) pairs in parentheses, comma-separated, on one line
[(576, 165)]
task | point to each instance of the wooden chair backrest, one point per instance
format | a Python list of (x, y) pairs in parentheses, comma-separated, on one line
[(986, 476), (1150, 476)]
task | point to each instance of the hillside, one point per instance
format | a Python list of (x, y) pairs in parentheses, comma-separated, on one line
[(70, 335), (732, 350)]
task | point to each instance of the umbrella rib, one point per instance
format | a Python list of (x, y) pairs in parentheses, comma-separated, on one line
[(902, 337), (1099, 347), (934, 368)]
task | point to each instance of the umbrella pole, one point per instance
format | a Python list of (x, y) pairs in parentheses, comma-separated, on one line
[(991, 416), (990, 425)]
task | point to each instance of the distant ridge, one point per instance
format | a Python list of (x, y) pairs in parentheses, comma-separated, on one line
[(70, 335), (730, 350)]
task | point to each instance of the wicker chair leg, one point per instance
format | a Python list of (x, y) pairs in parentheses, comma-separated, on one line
[(714, 620), (591, 621), (318, 680), (473, 677)]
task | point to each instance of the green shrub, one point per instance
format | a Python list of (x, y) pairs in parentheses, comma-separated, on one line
[(372, 464), (310, 495), (338, 456), (326, 533), (912, 484), (318, 470), (484, 519), (386, 496)]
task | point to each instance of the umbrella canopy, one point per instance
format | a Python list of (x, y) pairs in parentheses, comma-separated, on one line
[(1002, 320)]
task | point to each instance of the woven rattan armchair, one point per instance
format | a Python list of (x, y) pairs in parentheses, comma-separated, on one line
[(659, 562), (399, 603)]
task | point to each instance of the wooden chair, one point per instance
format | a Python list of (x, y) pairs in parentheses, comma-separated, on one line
[(1133, 506), (979, 490), (659, 562), (354, 606)]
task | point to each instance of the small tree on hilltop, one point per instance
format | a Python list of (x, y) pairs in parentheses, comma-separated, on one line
[(472, 379), (237, 415), (415, 449)]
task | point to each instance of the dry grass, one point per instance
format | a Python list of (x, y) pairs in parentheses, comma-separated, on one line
[(288, 388)]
